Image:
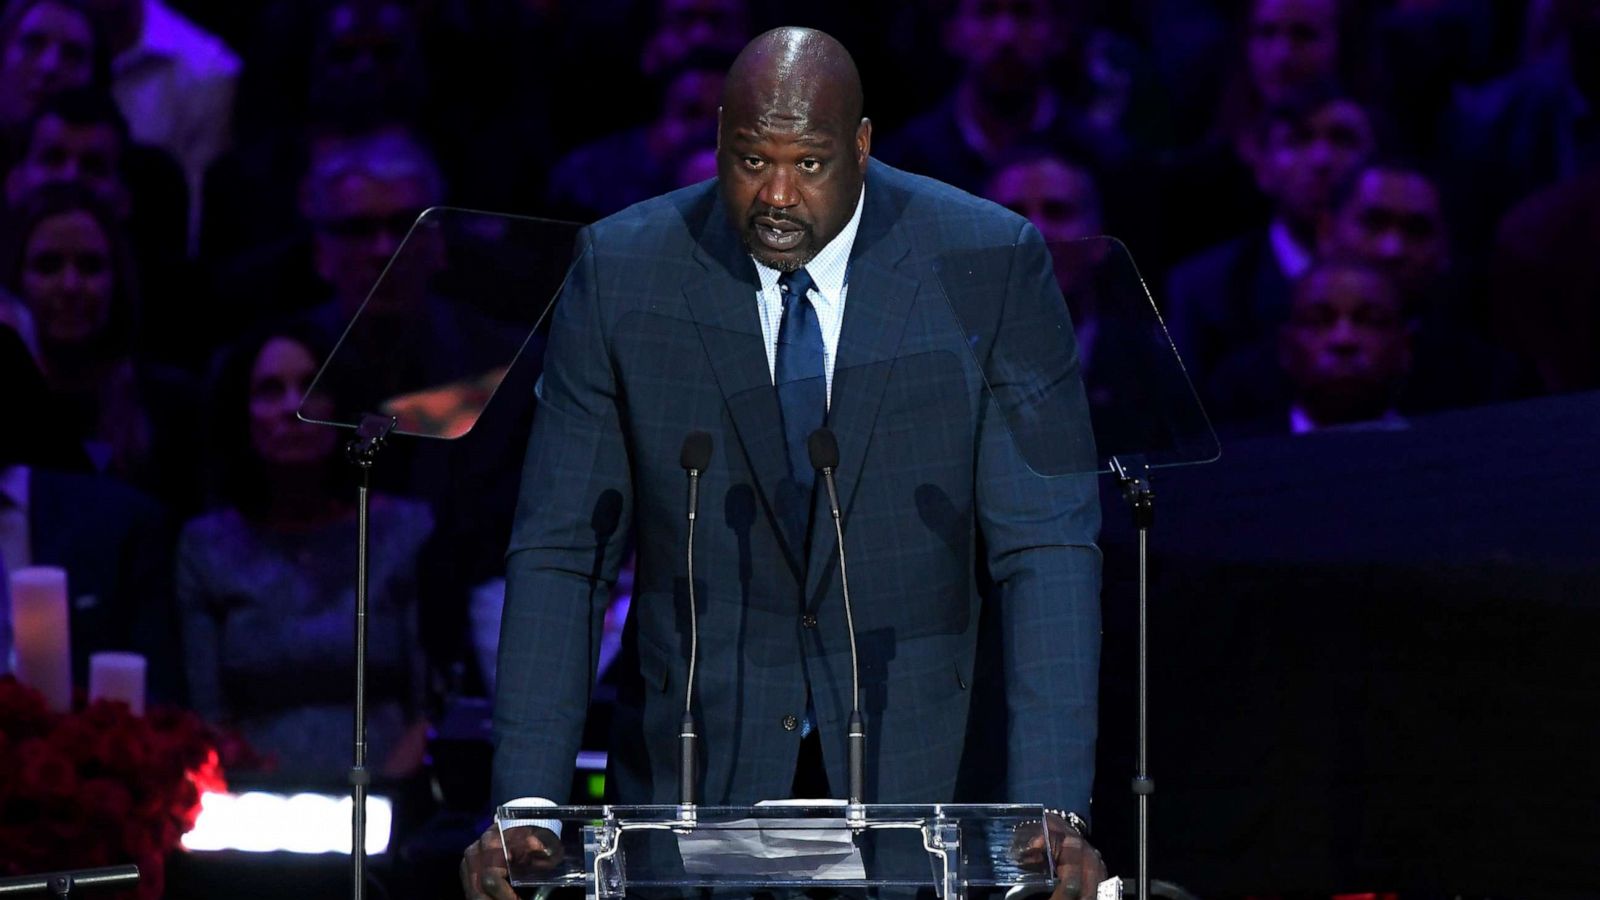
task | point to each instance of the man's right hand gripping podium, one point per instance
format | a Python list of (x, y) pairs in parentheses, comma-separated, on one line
[(701, 341)]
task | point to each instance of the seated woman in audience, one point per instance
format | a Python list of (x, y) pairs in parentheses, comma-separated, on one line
[(266, 583), (64, 256)]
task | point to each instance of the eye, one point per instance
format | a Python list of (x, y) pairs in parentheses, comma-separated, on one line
[(811, 166), (93, 264), (753, 162), (47, 263)]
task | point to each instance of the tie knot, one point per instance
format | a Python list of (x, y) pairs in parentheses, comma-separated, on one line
[(795, 284)]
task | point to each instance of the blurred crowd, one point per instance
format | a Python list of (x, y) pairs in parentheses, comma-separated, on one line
[(1348, 212)]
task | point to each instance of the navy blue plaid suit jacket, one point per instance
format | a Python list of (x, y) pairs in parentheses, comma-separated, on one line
[(656, 335)]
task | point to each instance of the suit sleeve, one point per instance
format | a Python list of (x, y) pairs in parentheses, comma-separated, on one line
[(1040, 532), (571, 525)]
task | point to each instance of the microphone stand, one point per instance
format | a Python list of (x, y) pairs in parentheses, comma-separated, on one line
[(362, 450), (695, 457), (1134, 477)]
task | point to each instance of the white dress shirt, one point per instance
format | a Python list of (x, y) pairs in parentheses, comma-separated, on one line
[(175, 87), (830, 270)]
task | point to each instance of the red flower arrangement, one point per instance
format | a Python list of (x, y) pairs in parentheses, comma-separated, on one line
[(99, 786)]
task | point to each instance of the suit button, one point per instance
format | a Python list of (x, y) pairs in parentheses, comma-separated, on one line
[(790, 723), (808, 620)]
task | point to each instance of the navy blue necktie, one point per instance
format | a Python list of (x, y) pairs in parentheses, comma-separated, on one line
[(800, 372)]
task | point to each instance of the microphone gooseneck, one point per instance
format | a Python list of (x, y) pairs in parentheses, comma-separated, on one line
[(695, 457), (823, 448)]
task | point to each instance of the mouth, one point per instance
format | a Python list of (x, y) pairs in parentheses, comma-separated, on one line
[(778, 235)]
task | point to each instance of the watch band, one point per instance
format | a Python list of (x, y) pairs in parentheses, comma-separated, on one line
[(1071, 818)]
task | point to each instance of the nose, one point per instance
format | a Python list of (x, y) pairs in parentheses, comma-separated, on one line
[(778, 191), (1391, 244), (386, 241), (49, 61), (1321, 154), (1006, 28), (1343, 339), (71, 278)]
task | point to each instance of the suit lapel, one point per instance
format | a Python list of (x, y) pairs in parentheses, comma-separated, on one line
[(722, 301), (877, 307)]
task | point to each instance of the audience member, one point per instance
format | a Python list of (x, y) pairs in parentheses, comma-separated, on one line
[(1545, 299), (356, 202), (361, 200), (80, 137), (1391, 215), (1006, 97), (600, 178), (1288, 47), (69, 261), (174, 83), (46, 47), (1283, 50), (689, 28), (113, 541), (1226, 304), (1346, 348), (1530, 128), (265, 583), (1058, 196)]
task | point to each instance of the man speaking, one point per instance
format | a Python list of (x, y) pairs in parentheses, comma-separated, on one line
[(798, 289)]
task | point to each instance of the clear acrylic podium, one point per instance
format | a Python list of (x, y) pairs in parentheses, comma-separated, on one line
[(611, 851)]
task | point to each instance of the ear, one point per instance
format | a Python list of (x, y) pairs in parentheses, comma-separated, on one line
[(863, 143), (719, 129)]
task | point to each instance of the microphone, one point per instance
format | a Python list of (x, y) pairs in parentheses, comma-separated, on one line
[(824, 450), (695, 457)]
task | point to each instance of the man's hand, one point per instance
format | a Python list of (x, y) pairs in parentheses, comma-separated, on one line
[(1079, 868), (484, 874)]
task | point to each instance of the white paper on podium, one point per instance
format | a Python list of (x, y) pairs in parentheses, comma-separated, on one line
[(803, 848)]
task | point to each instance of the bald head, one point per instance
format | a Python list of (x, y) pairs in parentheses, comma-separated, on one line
[(791, 144), (799, 72)]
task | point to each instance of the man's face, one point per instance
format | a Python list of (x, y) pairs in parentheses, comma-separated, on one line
[(1006, 44), (1301, 162), (1395, 222), (366, 41), (1058, 199), (685, 26), (703, 23), (67, 278), (365, 222), (791, 170), (51, 50), (1346, 336), (688, 121), (65, 153), (1291, 44)]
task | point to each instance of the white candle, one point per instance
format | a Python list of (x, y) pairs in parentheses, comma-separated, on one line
[(39, 625), (118, 676)]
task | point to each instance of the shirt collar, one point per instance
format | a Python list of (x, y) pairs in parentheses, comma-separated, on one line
[(14, 486), (164, 35), (830, 267), (1293, 258)]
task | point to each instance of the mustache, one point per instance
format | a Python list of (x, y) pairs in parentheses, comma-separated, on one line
[(778, 215)]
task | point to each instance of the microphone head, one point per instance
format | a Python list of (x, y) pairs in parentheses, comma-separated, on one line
[(824, 449), (696, 451)]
